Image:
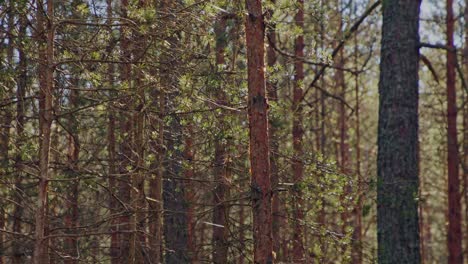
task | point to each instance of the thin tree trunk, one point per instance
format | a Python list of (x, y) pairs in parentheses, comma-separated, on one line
[(322, 147), (357, 233), (72, 210), (46, 84), (221, 191), (258, 131), (114, 250), (274, 145), (397, 161), (138, 176), (125, 152), (5, 126), (454, 198), (71, 218), (465, 126), (297, 134), (343, 149), (20, 122)]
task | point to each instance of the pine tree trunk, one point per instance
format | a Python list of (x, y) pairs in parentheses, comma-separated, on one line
[(114, 250), (221, 191), (5, 126), (465, 125), (20, 123), (125, 148), (343, 148), (397, 161), (454, 197), (138, 239), (297, 134), (71, 218), (258, 132), (46, 86), (274, 144), (356, 253)]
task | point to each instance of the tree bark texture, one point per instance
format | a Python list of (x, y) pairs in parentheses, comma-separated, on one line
[(465, 126), (18, 210), (297, 135), (272, 92), (258, 133), (356, 252), (46, 85), (125, 155), (397, 161), (221, 191), (454, 234)]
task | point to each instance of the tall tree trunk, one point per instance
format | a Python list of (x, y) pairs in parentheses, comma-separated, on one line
[(111, 152), (356, 252), (138, 239), (343, 125), (5, 123), (397, 161), (258, 132), (272, 93), (297, 134), (125, 151), (71, 218), (46, 85), (465, 126), (221, 191), (72, 210), (20, 123), (454, 238)]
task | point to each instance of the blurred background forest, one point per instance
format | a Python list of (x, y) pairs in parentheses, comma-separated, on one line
[(124, 134)]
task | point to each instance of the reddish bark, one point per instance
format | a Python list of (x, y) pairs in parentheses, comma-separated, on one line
[(297, 133), (454, 198), (111, 150), (258, 132), (221, 191), (274, 145), (46, 84)]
